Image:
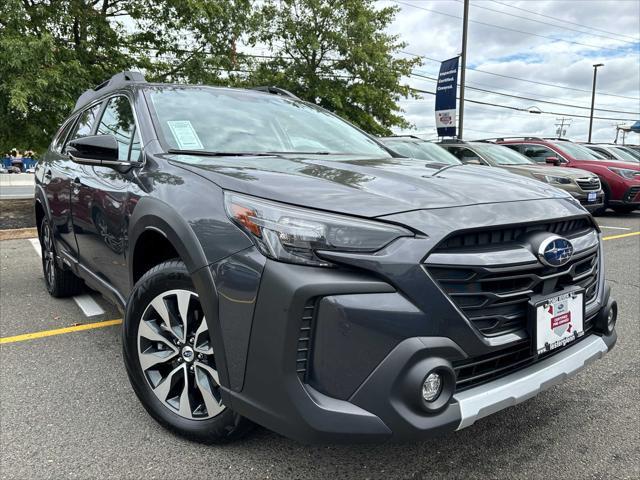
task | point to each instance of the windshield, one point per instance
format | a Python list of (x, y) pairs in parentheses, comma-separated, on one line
[(624, 154), (577, 151), (502, 155), (430, 152), (241, 121)]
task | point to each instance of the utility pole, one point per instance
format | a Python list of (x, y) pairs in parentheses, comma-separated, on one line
[(593, 96), (560, 130), (463, 66)]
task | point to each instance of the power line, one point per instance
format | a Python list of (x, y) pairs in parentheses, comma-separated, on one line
[(565, 21), (502, 89), (519, 109), (492, 25), (526, 79), (537, 100), (564, 27)]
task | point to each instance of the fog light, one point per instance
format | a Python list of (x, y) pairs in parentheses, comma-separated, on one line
[(432, 387)]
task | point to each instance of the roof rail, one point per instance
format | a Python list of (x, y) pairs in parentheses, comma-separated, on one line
[(452, 140), (276, 91), (387, 137), (117, 80), (502, 139)]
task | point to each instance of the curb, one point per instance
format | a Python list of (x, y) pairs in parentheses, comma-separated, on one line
[(18, 233)]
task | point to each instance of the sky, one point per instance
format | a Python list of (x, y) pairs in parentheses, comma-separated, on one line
[(564, 39)]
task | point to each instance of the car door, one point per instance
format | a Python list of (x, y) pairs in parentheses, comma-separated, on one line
[(54, 175), (100, 199)]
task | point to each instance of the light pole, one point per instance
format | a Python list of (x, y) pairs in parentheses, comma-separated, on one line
[(463, 67), (593, 96)]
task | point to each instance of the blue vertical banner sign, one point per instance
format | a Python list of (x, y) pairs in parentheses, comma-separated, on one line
[(446, 91)]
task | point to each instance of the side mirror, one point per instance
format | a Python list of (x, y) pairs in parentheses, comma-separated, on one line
[(553, 161), (96, 150)]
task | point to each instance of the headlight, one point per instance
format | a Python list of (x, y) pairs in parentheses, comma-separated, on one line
[(292, 234), (626, 172), (557, 180)]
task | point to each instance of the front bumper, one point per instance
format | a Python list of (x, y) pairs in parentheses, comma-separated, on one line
[(583, 198), (631, 197), (384, 406)]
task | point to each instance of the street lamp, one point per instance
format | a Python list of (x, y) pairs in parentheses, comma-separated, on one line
[(593, 96)]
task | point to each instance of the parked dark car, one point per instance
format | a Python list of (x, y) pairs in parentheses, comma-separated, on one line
[(620, 180), (277, 265)]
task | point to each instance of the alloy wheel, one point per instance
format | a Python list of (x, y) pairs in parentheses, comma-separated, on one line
[(48, 256), (176, 356)]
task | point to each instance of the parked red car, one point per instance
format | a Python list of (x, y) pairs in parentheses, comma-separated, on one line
[(620, 180)]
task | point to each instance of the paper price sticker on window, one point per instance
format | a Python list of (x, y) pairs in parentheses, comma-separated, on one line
[(185, 135)]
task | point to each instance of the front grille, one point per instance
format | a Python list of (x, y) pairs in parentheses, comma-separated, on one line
[(497, 236), (303, 351), (588, 184), (632, 193), (495, 299), (476, 371)]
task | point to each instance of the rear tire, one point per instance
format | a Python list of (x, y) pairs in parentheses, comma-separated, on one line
[(169, 359), (59, 281)]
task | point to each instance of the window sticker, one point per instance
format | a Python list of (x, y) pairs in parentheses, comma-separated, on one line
[(185, 135)]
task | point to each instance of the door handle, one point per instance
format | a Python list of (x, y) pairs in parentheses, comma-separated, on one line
[(76, 185), (48, 174), (76, 181)]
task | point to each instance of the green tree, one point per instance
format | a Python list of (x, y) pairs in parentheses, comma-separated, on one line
[(336, 54), (50, 52)]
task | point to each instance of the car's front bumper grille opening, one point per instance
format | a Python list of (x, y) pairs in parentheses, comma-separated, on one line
[(631, 195), (303, 350), (476, 371), (495, 299)]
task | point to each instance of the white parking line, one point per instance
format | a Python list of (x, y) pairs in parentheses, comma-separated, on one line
[(615, 228), (85, 302)]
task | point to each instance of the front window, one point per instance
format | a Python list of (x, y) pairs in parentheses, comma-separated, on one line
[(239, 121), (117, 120), (85, 124), (500, 155), (577, 151), (430, 152)]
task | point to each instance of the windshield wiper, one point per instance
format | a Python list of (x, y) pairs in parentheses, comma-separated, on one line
[(206, 153)]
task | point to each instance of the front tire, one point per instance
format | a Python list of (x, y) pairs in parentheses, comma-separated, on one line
[(170, 361)]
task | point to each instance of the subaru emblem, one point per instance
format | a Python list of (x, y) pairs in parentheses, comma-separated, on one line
[(555, 251)]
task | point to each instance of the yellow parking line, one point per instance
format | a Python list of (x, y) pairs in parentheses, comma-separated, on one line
[(622, 235), (59, 331)]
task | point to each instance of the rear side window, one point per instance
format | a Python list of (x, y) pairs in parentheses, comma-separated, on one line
[(86, 122), (117, 120)]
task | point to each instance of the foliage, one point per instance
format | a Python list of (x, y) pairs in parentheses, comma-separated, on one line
[(334, 53)]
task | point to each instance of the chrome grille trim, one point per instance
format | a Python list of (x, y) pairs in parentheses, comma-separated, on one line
[(587, 184), (494, 297)]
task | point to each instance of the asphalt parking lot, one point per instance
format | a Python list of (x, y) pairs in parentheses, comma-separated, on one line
[(67, 410)]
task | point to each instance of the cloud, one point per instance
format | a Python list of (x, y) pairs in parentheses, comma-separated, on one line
[(608, 38)]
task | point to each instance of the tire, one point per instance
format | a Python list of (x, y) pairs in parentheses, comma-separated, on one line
[(60, 282), (166, 356), (624, 210)]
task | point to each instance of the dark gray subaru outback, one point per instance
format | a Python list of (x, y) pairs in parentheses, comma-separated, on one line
[(278, 265)]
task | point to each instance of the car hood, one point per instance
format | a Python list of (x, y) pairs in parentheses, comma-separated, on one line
[(548, 170), (367, 187)]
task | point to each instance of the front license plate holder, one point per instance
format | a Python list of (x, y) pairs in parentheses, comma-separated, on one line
[(556, 320), (592, 196)]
